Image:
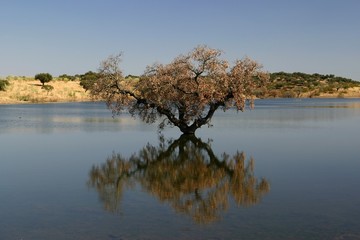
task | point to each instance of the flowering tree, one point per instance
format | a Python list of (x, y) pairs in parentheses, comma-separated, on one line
[(186, 91)]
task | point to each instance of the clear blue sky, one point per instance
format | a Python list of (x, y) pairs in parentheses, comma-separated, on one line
[(73, 36)]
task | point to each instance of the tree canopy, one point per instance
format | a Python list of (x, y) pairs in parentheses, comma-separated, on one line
[(186, 91), (88, 79), (43, 77)]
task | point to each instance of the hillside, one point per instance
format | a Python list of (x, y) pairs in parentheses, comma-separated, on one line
[(302, 85), (29, 90)]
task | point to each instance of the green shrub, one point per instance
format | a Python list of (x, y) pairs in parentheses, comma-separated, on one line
[(88, 79), (3, 84), (72, 94), (327, 89)]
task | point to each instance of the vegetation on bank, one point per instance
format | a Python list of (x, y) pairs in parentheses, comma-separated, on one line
[(302, 85), (67, 88), (15, 89), (3, 84)]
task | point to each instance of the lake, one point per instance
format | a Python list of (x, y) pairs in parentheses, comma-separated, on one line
[(289, 169)]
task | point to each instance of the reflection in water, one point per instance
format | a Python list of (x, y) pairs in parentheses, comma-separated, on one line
[(184, 173)]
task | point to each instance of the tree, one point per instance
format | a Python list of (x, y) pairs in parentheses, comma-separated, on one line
[(186, 91), (67, 77), (184, 173), (88, 79), (43, 77)]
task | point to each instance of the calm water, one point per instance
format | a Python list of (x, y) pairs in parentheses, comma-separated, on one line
[(290, 171)]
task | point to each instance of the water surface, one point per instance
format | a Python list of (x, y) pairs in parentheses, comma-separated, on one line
[(290, 171)]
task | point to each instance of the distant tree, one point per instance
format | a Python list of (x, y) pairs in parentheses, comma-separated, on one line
[(68, 77), (88, 79), (43, 77), (131, 76), (186, 91)]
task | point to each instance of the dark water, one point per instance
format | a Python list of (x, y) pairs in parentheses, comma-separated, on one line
[(290, 171)]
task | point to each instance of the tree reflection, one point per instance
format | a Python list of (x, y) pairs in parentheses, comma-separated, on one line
[(184, 173)]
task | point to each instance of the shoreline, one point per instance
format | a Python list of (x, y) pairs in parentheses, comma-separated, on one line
[(94, 101), (30, 91)]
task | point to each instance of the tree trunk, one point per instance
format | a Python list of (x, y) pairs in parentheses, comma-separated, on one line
[(188, 130), (184, 128)]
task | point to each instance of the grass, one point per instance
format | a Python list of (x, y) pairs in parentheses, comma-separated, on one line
[(29, 90)]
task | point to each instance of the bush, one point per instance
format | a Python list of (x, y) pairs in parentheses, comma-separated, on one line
[(288, 94), (24, 98), (3, 84), (341, 95)]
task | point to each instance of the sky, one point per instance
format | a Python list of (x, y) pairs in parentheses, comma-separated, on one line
[(74, 36)]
